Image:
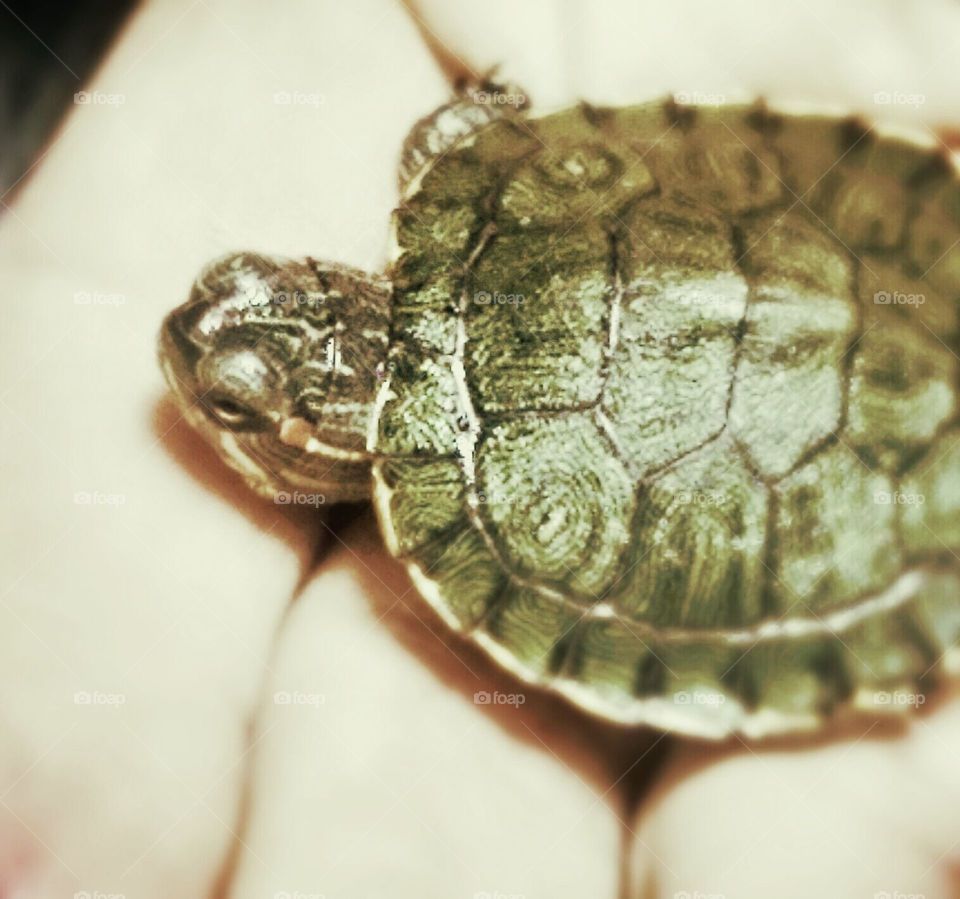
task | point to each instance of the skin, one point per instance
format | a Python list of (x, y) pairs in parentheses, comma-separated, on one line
[(277, 363), (201, 781)]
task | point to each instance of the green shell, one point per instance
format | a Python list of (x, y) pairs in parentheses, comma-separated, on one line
[(671, 418)]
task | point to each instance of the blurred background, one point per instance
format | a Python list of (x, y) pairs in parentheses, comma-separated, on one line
[(47, 50)]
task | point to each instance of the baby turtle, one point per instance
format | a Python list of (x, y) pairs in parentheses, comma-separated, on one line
[(658, 404)]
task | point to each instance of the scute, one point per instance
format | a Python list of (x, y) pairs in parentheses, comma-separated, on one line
[(650, 432), (580, 172), (536, 320), (533, 627), (937, 614), (696, 557), (424, 499), (886, 655), (434, 226), (682, 302), (557, 502), (836, 533), (715, 156), (933, 245), (801, 680), (468, 577), (929, 499), (901, 389), (421, 412), (789, 386), (930, 312)]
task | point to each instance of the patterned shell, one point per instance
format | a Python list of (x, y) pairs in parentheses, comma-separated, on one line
[(670, 419)]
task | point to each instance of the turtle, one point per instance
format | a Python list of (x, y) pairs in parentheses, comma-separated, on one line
[(656, 403)]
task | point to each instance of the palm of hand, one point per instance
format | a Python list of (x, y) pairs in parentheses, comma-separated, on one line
[(381, 772)]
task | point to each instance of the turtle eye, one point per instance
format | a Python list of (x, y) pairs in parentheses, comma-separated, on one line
[(231, 413)]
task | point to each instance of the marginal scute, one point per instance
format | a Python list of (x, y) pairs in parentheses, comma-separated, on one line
[(886, 658), (433, 227), (696, 680), (682, 303), (801, 679), (502, 144), (686, 685), (789, 385), (938, 615), (426, 501), (901, 388), (933, 246), (719, 159), (618, 662), (696, 559), (866, 211), (533, 626), (836, 533), (864, 196), (922, 307), (810, 147), (929, 499), (421, 413), (557, 502), (466, 575), (536, 321)]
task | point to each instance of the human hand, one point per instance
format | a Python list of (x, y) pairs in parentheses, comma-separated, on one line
[(170, 588)]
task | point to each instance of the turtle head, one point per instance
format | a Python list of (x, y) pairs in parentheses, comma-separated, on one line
[(278, 363)]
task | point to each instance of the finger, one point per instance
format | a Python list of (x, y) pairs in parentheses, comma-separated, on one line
[(866, 816), (886, 61), (373, 775), (141, 585)]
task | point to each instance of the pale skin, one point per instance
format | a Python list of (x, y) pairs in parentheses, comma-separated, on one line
[(166, 594)]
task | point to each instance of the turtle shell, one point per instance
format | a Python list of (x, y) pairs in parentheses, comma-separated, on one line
[(670, 420)]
